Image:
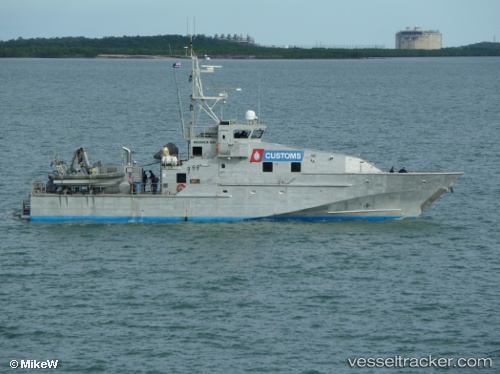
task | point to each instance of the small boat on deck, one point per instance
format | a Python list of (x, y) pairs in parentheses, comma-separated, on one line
[(81, 174)]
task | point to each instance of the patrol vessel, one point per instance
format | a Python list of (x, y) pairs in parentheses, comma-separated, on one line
[(230, 173)]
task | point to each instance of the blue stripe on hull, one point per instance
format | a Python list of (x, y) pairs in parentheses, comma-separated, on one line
[(335, 218), (209, 219)]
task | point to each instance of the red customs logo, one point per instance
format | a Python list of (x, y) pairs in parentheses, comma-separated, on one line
[(257, 155)]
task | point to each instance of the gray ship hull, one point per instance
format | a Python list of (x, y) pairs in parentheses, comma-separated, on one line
[(229, 174), (377, 196)]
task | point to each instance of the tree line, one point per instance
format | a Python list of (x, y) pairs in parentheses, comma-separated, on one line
[(177, 45)]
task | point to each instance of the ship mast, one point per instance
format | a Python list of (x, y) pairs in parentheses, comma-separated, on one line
[(199, 101)]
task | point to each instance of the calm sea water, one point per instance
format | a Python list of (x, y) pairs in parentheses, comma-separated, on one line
[(286, 297)]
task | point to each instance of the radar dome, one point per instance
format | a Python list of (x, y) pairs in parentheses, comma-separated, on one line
[(250, 115)]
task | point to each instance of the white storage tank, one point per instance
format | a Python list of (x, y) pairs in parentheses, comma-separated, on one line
[(417, 38)]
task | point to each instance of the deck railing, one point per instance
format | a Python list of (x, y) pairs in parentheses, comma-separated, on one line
[(39, 188)]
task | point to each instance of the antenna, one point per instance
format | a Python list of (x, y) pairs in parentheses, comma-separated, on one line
[(258, 103), (180, 104), (187, 27)]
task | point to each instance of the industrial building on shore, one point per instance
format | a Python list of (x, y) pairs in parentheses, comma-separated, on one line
[(417, 38)]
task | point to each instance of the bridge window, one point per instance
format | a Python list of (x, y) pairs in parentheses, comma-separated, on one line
[(257, 134), (267, 167), (241, 134)]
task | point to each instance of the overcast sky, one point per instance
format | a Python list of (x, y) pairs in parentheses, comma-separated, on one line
[(269, 22)]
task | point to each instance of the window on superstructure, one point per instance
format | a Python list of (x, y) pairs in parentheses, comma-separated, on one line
[(267, 167), (296, 167), (181, 178), (197, 151)]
